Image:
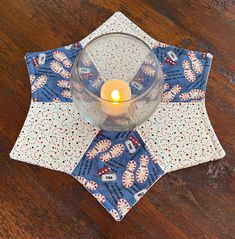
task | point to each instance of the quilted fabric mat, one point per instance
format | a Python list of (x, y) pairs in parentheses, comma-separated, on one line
[(118, 168)]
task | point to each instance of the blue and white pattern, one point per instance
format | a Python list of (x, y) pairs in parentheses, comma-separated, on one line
[(186, 74), (50, 73), (118, 168)]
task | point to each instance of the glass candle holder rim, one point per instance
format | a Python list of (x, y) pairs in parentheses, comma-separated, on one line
[(77, 61)]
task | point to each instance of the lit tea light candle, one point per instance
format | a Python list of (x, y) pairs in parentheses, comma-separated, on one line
[(115, 93)]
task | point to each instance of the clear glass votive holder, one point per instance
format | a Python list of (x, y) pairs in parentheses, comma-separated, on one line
[(116, 82)]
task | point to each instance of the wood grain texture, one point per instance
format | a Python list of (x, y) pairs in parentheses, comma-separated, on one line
[(198, 202)]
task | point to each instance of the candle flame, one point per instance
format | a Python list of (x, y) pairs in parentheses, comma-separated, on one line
[(115, 95)]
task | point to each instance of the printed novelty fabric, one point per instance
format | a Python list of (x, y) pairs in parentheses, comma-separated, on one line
[(118, 168)]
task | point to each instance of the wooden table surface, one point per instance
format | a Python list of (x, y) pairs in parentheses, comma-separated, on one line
[(198, 202)]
